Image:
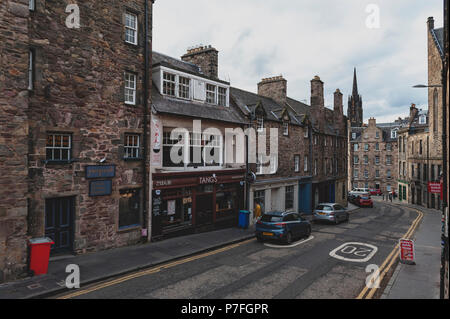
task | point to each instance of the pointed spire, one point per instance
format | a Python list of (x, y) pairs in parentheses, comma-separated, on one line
[(355, 84)]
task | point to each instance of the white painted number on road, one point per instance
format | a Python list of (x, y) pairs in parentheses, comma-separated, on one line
[(354, 252)]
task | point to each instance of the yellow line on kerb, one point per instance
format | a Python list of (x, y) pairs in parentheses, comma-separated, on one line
[(151, 271), (390, 259)]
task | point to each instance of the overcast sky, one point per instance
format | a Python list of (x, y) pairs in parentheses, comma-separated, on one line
[(303, 38)]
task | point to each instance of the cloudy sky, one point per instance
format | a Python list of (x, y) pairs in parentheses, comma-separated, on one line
[(303, 38)]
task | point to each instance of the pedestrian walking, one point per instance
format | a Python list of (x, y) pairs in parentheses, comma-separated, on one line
[(257, 210)]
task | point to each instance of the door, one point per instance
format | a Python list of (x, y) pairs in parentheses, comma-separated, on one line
[(59, 223), (204, 210)]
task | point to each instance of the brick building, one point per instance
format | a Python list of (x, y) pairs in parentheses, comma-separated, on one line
[(311, 163), (73, 138)]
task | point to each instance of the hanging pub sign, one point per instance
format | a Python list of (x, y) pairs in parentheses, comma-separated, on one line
[(104, 171), (100, 188)]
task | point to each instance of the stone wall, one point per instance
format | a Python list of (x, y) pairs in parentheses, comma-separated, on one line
[(13, 137)]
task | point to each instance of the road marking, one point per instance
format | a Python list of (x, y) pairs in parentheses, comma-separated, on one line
[(151, 271), (391, 258), (360, 252), (289, 246)]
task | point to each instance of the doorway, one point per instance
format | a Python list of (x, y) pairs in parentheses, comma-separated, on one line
[(59, 223)]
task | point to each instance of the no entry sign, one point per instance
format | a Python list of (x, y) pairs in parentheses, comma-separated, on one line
[(407, 254)]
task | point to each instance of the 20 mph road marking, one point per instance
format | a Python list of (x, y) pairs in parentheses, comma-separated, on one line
[(354, 252)]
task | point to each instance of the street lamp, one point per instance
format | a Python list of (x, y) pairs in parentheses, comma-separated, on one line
[(422, 86)]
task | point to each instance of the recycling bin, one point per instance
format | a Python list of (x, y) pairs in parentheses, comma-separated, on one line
[(244, 217), (40, 254)]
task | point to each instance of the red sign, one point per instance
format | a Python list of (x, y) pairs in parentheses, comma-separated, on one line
[(407, 250), (434, 188)]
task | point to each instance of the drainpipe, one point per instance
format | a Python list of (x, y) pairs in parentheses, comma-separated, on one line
[(145, 163), (445, 171)]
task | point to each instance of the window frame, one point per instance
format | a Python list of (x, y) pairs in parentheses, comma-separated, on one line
[(128, 89), (210, 93), (60, 148), (136, 148), (134, 30)]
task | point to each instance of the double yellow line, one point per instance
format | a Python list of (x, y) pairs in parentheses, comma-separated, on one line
[(150, 271), (368, 293)]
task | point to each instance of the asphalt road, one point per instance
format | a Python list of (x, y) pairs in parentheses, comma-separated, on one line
[(252, 270)]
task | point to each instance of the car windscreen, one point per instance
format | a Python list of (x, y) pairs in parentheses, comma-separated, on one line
[(324, 207), (365, 197), (271, 219)]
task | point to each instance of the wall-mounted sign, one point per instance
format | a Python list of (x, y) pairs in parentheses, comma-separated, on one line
[(106, 171), (434, 188), (156, 135), (100, 188), (208, 180)]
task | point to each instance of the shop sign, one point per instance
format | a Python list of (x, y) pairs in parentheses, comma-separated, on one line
[(187, 200), (208, 180), (106, 171), (161, 183), (407, 254), (100, 188)]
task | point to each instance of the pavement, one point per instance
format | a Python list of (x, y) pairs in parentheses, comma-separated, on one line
[(420, 281), (99, 266)]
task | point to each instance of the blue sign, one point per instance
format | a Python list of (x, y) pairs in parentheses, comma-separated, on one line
[(100, 188), (107, 171)]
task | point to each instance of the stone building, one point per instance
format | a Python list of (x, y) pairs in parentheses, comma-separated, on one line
[(73, 160), (421, 155), (374, 156), (195, 187), (311, 163)]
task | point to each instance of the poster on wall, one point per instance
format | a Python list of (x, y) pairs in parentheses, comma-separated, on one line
[(171, 207), (156, 135)]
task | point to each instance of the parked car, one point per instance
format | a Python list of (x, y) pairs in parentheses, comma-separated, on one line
[(282, 226), (330, 212), (351, 198), (375, 192), (365, 201)]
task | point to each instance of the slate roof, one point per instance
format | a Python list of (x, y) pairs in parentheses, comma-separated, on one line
[(168, 105), (439, 40)]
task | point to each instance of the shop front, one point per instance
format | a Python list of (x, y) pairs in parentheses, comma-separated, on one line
[(190, 202)]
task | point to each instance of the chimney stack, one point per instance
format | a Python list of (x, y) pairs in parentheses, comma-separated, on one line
[(317, 99), (413, 112), (372, 122), (338, 102), (430, 23), (274, 88), (206, 57)]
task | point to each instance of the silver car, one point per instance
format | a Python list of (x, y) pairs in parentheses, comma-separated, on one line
[(330, 212)]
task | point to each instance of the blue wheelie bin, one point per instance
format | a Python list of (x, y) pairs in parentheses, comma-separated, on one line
[(244, 216)]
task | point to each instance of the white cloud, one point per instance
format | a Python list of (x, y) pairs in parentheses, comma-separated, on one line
[(304, 38)]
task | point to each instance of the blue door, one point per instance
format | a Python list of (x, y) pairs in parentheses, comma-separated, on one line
[(304, 200), (332, 196)]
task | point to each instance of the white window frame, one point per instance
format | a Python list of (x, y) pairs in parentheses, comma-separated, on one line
[(286, 128), (353, 136), (210, 93), (356, 173), (297, 163), (305, 164), (183, 87), (355, 147), (260, 123), (130, 91), (60, 148), (128, 149), (32, 5), (130, 28), (222, 96), (306, 133), (169, 82)]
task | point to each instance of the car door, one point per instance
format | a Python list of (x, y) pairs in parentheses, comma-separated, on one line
[(339, 212), (299, 227), (291, 225)]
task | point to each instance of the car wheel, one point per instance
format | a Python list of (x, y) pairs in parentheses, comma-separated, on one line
[(308, 232), (289, 238)]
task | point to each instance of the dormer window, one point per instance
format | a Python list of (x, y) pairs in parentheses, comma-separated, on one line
[(422, 119), (260, 123), (169, 84), (285, 128), (210, 94), (222, 96), (394, 134), (184, 87)]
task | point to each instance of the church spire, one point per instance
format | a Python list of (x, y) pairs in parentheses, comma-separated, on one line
[(355, 84)]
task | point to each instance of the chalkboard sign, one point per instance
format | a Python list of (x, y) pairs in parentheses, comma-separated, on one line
[(157, 202), (107, 171), (100, 188)]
